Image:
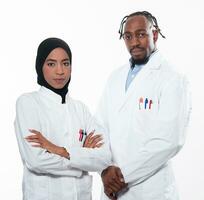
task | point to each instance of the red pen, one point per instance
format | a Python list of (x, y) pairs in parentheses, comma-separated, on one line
[(150, 104), (140, 102), (80, 135)]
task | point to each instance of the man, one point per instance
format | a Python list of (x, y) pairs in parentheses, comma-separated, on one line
[(145, 108)]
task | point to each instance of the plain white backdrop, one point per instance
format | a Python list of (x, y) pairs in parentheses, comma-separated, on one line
[(90, 28)]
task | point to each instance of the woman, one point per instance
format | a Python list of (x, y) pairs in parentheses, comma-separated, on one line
[(51, 131)]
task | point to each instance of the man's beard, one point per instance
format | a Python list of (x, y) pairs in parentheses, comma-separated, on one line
[(140, 61)]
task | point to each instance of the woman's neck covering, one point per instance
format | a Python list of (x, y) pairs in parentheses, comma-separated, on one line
[(43, 51)]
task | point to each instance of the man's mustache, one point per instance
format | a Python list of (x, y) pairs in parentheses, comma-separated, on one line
[(136, 47)]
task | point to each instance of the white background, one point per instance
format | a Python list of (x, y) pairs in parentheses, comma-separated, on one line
[(90, 28)]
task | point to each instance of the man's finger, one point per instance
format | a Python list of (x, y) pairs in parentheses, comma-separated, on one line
[(120, 175), (110, 195), (113, 188), (113, 196), (116, 186)]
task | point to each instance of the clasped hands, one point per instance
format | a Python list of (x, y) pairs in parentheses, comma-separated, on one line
[(113, 181)]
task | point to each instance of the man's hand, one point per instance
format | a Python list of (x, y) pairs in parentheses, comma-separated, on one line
[(113, 181)]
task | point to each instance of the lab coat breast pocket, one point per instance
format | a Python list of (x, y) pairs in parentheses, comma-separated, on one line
[(144, 110), (147, 104), (147, 107), (77, 132), (77, 136)]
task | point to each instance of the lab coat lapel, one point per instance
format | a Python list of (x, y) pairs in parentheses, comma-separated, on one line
[(120, 86), (139, 81)]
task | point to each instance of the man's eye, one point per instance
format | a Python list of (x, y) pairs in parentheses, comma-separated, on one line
[(141, 35), (127, 37), (51, 64)]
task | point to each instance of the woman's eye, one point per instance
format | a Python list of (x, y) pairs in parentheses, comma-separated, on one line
[(67, 64), (51, 64)]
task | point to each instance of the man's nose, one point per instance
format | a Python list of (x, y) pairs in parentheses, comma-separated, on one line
[(135, 41)]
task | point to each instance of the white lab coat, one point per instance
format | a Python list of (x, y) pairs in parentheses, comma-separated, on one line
[(48, 176), (144, 140)]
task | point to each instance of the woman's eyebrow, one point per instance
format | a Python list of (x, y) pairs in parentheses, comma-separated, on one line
[(50, 59), (66, 59)]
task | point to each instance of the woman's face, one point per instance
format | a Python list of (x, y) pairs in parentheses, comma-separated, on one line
[(57, 68)]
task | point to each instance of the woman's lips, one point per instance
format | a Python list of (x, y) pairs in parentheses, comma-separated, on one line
[(59, 80)]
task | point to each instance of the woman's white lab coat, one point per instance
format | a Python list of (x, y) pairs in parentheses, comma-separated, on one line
[(48, 176), (146, 125)]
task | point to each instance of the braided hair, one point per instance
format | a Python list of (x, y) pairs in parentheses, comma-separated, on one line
[(147, 15)]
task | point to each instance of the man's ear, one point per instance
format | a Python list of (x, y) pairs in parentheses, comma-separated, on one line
[(155, 35)]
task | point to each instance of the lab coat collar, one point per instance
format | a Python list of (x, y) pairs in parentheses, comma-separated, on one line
[(155, 61), (52, 95)]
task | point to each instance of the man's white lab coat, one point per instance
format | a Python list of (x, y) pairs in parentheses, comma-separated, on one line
[(146, 125), (48, 176)]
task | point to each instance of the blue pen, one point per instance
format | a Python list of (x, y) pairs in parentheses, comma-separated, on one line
[(146, 102)]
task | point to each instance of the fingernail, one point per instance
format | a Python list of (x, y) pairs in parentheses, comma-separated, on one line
[(122, 180)]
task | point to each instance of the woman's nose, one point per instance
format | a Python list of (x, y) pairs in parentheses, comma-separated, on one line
[(59, 69)]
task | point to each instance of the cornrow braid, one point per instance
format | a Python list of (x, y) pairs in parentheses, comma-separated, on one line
[(146, 14)]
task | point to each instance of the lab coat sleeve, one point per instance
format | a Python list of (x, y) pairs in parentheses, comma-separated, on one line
[(165, 132), (37, 159), (91, 159), (101, 115)]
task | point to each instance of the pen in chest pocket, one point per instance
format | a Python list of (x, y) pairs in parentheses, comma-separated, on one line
[(140, 102), (150, 103), (82, 135), (145, 103)]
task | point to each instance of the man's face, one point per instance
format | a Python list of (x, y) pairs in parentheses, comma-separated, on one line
[(140, 38), (57, 68)]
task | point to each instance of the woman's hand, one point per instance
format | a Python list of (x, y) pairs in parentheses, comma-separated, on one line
[(93, 141), (40, 141)]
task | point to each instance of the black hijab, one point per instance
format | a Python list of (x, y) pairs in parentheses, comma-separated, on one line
[(43, 51)]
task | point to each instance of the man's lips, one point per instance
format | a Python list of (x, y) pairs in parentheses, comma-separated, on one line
[(136, 50)]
